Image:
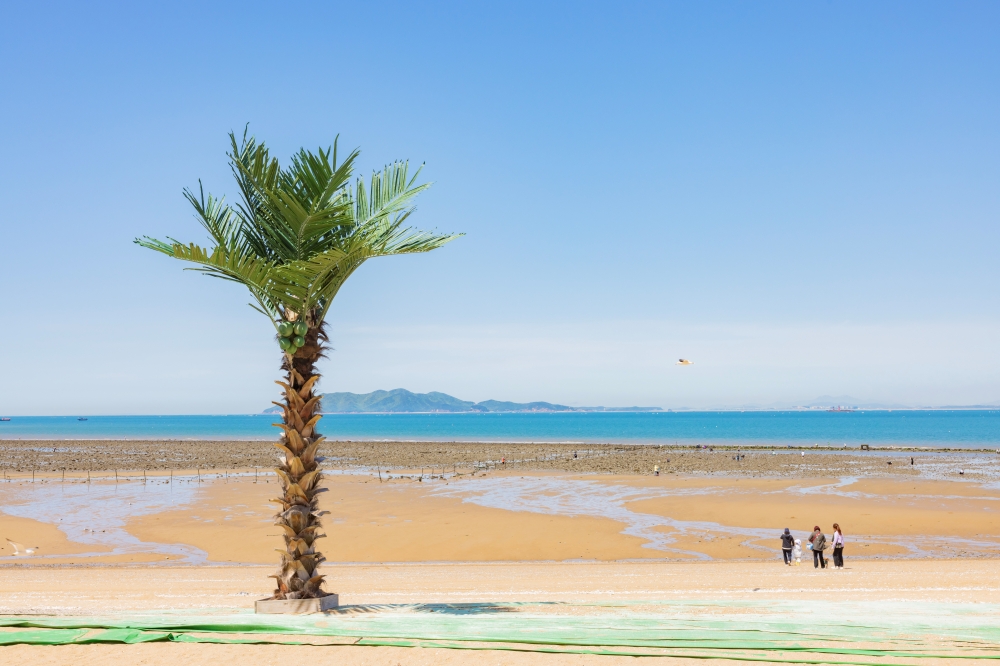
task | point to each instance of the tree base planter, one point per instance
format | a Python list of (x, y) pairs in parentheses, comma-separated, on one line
[(297, 606)]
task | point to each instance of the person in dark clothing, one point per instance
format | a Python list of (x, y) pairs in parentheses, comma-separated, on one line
[(787, 543), (818, 542)]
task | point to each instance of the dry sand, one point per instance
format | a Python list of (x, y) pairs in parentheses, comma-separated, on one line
[(96, 590), (115, 590), (387, 522)]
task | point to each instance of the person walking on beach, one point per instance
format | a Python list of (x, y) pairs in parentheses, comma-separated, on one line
[(787, 543), (818, 544), (797, 552), (838, 547)]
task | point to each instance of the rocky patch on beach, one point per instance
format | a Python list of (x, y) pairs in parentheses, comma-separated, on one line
[(43, 456)]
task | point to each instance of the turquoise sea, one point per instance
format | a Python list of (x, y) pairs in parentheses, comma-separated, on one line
[(958, 428)]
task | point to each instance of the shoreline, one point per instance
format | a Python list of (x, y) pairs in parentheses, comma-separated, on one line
[(678, 443), (725, 445), (610, 410)]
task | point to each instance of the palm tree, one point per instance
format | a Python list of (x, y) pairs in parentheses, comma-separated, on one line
[(294, 238)]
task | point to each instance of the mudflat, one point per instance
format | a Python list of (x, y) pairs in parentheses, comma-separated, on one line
[(131, 456)]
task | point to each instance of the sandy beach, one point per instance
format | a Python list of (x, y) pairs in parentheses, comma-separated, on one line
[(436, 524), (703, 595)]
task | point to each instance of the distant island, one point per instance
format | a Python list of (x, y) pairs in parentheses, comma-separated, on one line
[(401, 401)]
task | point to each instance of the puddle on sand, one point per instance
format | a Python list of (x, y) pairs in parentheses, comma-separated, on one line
[(575, 497), (96, 513), (578, 497)]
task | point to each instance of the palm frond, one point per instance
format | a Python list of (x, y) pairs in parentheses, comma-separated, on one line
[(255, 274), (220, 220), (258, 174), (400, 240), (389, 193), (299, 233), (316, 281)]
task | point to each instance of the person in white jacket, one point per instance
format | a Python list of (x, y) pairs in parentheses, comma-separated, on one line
[(797, 552)]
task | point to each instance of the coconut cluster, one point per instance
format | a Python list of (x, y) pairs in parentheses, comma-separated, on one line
[(292, 335)]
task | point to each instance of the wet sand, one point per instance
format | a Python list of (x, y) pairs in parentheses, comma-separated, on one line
[(94, 590), (496, 516)]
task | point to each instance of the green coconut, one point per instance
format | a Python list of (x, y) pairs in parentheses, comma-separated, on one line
[(299, 341), (284, 343), (301, 329), (285, 329)]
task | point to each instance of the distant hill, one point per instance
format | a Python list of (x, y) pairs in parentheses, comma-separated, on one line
[(403, 401), (398, 400)]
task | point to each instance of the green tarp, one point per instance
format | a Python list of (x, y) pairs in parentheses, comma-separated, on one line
[(842, 632)]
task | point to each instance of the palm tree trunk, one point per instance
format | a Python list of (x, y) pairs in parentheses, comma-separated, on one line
[(300, 474)]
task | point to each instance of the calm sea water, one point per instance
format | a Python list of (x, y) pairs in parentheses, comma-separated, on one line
[(970, 429)]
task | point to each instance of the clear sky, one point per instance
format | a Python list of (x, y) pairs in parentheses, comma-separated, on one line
[(801, 197)]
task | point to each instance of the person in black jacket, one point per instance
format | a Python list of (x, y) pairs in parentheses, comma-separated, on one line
[(787, 543)]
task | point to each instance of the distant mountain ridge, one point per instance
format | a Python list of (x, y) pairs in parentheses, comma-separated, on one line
[(401, 401)]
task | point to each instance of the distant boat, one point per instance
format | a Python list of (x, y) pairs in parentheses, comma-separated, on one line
[(6, 418), (840, 409), (82, 418)]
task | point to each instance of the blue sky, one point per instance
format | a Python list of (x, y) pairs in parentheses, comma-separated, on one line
[(801, 197)]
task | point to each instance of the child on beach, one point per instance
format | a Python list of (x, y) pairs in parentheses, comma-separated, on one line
[(797, 552)]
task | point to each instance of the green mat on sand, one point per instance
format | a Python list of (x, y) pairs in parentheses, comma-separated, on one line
[(791, 632)]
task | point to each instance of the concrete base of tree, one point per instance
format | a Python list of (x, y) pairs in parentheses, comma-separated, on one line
[(297, 606)]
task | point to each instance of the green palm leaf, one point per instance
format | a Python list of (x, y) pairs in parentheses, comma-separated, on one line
[(299, 232)]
